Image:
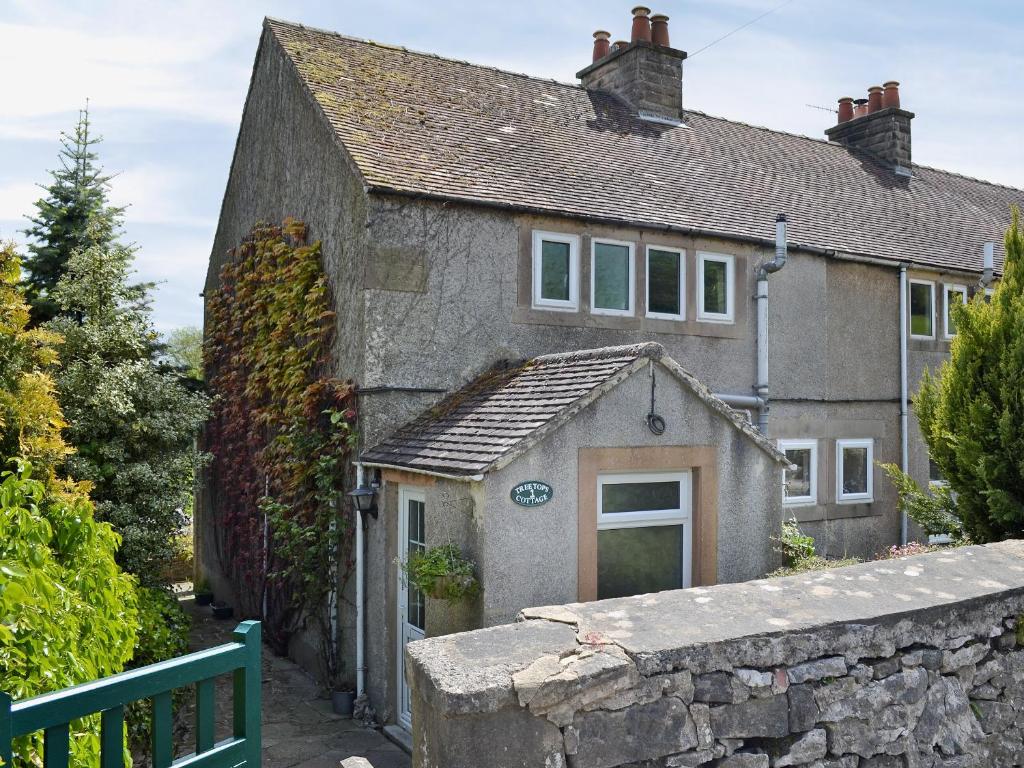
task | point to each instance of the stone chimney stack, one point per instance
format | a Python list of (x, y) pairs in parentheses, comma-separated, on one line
[(646, 72), (877, 125)]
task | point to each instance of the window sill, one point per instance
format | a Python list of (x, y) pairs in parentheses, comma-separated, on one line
[(822, 512), (527, 315)]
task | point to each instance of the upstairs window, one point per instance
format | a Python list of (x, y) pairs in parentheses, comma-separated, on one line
[(666, 283), (612, 284), (953, 295), (715, 287), (800, 485), (922, 309), (854, 469), (556, 271)]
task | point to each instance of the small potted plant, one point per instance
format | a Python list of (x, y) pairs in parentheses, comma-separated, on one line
[(203, 594), (222, 610), (442, 573)]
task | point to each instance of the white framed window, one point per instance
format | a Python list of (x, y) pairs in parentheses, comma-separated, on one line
[(922, 309), (855, 463), (951, 294), (800, 485), (715, 287), (612, 277), (666, 283), (556, 271), (644, 532)]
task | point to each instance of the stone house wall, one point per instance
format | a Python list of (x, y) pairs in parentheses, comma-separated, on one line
[(910, 663)]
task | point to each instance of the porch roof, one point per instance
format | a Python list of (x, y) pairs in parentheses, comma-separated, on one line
[(500, 415)]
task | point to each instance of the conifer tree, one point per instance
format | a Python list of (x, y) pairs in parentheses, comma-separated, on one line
[(73, 215), (972, 412)]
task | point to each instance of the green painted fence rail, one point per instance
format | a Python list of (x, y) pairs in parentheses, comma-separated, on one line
[(53, 712)]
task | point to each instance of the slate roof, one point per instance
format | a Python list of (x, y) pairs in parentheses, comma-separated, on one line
[(420, 124), (506, 411)]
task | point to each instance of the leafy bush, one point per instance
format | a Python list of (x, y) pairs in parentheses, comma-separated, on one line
[(442, 573), (163, 634), (794, 545), (67, 613)]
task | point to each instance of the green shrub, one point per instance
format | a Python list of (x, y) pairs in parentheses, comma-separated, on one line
[(793, 544), (163, 634), (67, 614), (971, 413), (934, 510)]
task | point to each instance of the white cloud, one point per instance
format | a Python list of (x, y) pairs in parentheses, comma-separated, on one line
[(163, 58), (16, 200), (157, 194)]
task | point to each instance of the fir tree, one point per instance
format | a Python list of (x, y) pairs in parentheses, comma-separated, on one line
[(73, 215)]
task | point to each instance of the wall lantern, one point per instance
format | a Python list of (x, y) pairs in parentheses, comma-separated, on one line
[(365, 499)]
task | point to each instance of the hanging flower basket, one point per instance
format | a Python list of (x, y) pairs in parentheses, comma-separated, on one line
[(442, 573)]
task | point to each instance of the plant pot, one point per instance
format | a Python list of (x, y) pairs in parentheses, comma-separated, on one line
[(451, 587), (342, 701), (222, 611), (204, 598)]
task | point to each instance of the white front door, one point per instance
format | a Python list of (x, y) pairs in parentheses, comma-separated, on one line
[(412, 537)]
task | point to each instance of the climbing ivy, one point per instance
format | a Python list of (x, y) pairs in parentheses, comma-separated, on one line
[(281, 435)]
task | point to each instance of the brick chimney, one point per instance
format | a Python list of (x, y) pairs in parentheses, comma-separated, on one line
[(881, 128), (645, 74)]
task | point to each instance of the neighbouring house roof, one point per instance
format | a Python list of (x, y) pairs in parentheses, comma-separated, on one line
[(499, 416), (419, 124)]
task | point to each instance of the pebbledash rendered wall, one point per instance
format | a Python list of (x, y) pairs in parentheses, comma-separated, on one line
[(907, 663)]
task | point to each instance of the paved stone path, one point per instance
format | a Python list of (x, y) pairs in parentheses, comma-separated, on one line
[(299, 728)]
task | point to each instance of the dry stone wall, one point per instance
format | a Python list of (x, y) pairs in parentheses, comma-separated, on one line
[(908, 663)]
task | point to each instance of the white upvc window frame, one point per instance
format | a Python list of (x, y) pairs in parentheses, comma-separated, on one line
[(910, 311), (947, 288), (730, 289), (660, 517), (855, 498), (812, 498), (682, 283), (556, 305), (631, 248)]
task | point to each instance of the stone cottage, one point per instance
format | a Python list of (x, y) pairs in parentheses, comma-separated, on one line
[(472, 217)]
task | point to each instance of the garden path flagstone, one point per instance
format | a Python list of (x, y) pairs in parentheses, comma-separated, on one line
[(299, 728)]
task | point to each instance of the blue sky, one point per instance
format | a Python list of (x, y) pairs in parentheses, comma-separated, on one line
[(166, 83)]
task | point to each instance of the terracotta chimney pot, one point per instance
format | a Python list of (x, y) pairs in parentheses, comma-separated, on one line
[(874, 98), (620, 44), (891, 94), (659, 29), (641, 24), (601, 44), (860, 107), (845, 109)]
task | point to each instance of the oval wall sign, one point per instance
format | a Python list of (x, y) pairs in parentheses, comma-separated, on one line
[(532, 493)]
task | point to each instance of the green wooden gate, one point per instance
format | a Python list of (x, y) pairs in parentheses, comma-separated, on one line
[(53, 712)]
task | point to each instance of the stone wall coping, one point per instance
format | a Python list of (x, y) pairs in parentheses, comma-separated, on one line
[(707, 628)]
